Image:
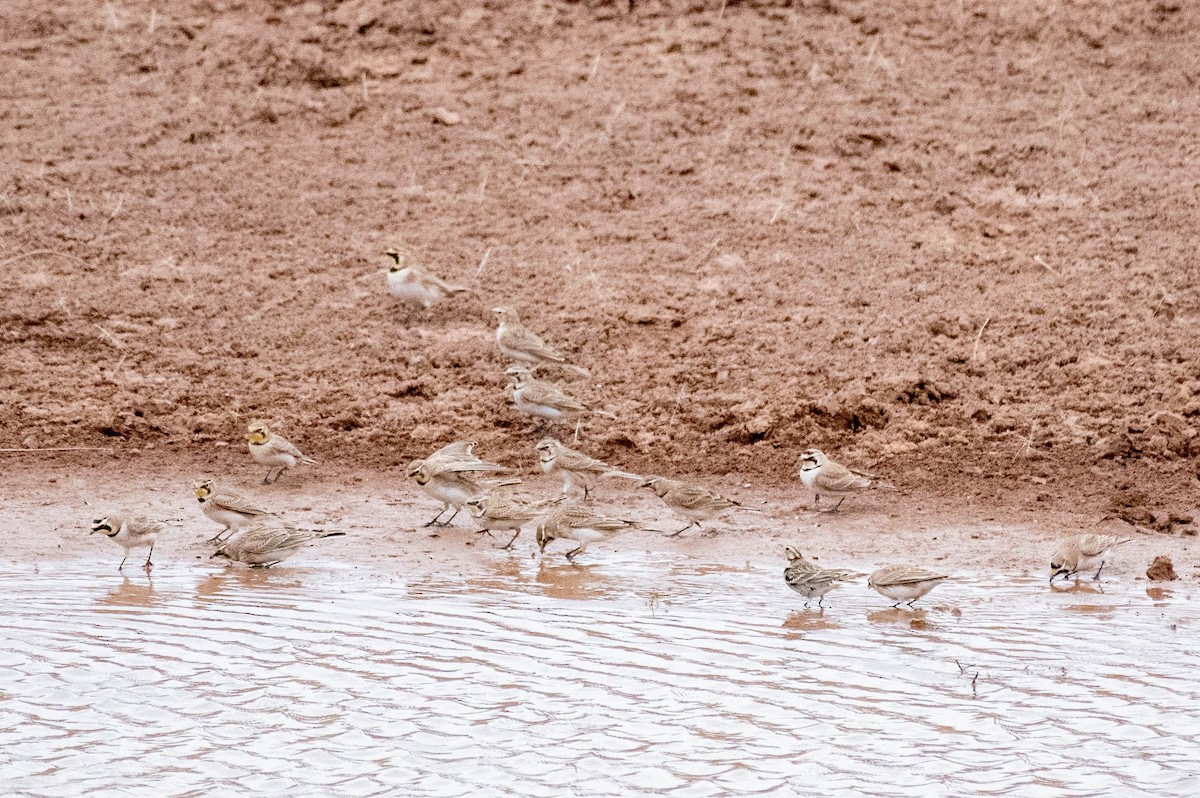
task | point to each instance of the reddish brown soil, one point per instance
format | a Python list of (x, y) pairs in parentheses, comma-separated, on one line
[(953, 242)]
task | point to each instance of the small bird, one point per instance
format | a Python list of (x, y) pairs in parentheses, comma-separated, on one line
[(453, 475), (416, 286), (227, 508), (264, 546), (522, 346), (904, 583), (580, 525), (1081, 552), (544, 399), (494, 512), (576, 469), (693, 502), (273, 451), (809, 580), (132, 532), (822, 475)]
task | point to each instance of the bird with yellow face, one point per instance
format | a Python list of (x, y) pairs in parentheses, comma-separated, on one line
[(273, 451)]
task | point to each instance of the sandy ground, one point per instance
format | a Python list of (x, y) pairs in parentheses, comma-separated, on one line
[(383, 520), (952, 243)]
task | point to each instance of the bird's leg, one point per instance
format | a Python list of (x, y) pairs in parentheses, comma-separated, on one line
[(511, 541), (433, 520), (910, 604), (267, 478), (451, 518), (585, 492), (681, 531), (821, 602), (149, 554), (1098, 570), (839, 504), (571, 554), (217, 537), (122, 565)]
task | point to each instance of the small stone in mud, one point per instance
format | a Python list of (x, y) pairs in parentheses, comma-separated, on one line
[(1161, 570)]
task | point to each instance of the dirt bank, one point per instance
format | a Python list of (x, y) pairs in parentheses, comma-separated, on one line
[(951, 242)]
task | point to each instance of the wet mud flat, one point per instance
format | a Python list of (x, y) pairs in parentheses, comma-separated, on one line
[(639, 673)]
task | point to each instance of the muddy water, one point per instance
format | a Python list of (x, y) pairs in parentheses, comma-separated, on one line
[(625, 676)]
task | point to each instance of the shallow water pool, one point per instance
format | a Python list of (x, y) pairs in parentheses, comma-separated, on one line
[(636, 674)]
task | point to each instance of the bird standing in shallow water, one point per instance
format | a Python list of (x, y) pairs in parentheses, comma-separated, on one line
[(130, 532), (811, 581), (1081, 552), (904, 584)]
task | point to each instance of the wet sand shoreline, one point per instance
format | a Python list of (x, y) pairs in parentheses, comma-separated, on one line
[(51, 506)]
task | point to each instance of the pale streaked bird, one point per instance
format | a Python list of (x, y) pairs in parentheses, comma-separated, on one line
[(496, 513), (130, 532), (544, 399), (264, 546), (575, 469), (580, 525), (227, 508), (273, 451), (453, 475), (809, 580), (1082, 553), (522, 346), (904, 584), (414, 285), (693, 502), (825, 477)]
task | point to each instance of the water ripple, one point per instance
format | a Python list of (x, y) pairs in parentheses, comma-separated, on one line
[(630, 677)]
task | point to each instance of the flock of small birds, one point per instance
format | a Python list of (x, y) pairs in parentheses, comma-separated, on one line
[(457, 478)]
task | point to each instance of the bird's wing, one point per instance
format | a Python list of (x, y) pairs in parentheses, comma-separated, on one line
[(239, 504), (543, 393), (265, 539), (696, 498), (834, 476), (518, 338), (430, 281), (906, 574), (280, 444), (601, 523), (459, 450), (578, 461), (1092, 545)]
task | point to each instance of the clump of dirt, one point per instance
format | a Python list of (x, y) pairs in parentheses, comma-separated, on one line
[(1134, 506), (1161, 570)]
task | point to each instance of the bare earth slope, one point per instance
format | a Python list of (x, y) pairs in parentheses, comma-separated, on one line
[(953, 242)]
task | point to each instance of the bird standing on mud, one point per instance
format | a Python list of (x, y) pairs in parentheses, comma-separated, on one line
[(416, 286), (823, 476), (524, 347), (273, 451), (453, 475), (576, 469)]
